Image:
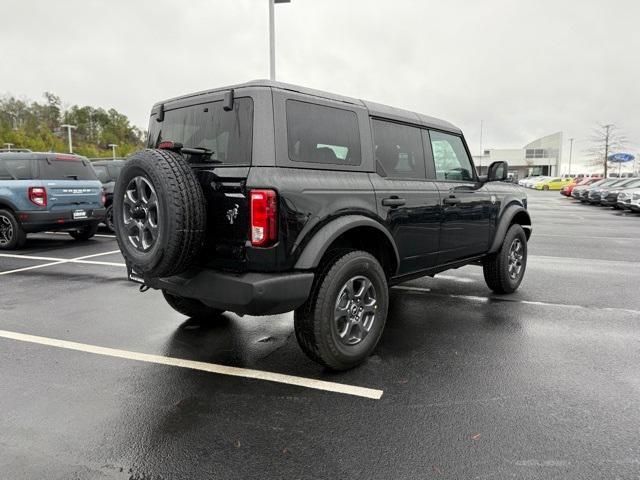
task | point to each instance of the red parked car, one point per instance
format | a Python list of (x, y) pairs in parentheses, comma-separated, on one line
[(567, 189)]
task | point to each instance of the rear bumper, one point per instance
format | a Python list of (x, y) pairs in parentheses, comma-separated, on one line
[(33, 222), (246, 293)]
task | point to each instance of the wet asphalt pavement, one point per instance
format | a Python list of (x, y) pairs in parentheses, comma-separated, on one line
[(544, 383)]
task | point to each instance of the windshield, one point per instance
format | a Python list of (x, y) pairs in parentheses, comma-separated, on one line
[(102, 172), (226, 135)]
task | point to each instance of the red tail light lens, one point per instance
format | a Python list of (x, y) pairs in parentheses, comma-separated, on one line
[(38, 196), (264, 218), (103, 197)]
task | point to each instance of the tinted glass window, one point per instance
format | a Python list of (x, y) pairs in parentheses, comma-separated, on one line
[(114, 171), (228, 135), (102, 172), (63, 168), (16, 169), (398, 149), (4, 172), (450, 157), (320, 134)]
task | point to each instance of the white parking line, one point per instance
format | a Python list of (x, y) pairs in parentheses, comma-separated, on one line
[(585, 236), (202, 366), (56, 260), (96, 235), (60, 261), (475, 298)]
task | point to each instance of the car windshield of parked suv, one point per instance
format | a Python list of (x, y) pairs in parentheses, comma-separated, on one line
[(66, 167), (102, 172), (224, 136)]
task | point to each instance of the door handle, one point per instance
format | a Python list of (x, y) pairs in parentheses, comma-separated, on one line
[(393, 202), (451, 201)]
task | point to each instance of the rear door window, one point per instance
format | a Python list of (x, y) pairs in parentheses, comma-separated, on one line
[(66, 168), (398, 150), (226, 134), (450, 157), (322, 134)]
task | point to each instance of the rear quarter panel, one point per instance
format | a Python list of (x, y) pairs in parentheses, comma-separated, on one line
[(15, 194), (308, 199)]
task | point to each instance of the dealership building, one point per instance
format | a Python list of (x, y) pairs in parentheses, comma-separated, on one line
[(540, 157)]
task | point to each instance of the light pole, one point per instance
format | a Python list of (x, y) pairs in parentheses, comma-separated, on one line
[(570, 153), (481, 152), (113, 149), (272, 38), (9, 145), (69, 128)]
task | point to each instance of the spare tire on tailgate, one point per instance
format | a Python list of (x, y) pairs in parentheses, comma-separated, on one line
[(159, 213)]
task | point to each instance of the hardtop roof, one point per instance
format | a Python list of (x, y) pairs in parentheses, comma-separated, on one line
[(375, 109)]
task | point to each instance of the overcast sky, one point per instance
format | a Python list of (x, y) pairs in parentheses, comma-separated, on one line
[(525, 67)]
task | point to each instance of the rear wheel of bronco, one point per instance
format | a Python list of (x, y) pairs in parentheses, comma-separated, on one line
[(503, 271), (192, 308), (11, 234), (85, 233), (159, 213), (343, 319)]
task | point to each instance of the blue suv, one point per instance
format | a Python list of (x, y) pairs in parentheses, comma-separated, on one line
[(47, 191)]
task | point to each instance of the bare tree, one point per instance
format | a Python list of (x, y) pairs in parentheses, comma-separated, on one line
[(604, 140)]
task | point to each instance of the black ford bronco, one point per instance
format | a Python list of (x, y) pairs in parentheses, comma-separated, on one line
[(264, 197)]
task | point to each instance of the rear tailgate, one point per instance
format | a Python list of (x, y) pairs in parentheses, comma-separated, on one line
[(228, 215), (71, 183), (65, 195)]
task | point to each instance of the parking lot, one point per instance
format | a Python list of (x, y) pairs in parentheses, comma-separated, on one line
[(544, 383)]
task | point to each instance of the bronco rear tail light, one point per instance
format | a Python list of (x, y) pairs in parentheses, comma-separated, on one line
[(264, 218), (38, 196)]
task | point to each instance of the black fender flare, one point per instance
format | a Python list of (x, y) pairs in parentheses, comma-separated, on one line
[(323, 238), (506, 218)]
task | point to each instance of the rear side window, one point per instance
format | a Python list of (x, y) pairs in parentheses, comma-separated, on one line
[(398, 149), (450, 157), (320, 134), (227, 134), (16, 169), (62, 168)]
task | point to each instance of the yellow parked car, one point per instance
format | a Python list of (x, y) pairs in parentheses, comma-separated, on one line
[(554, 183)]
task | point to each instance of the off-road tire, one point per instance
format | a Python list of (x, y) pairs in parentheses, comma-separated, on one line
[(496, 267), (85, 233), (314, 320), (18, 237), (181, 213), (192, 308)]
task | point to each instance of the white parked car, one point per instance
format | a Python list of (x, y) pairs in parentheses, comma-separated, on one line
[(533, 180), (630, 199)]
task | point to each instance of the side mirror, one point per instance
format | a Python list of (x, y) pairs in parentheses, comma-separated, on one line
[(497, 172)]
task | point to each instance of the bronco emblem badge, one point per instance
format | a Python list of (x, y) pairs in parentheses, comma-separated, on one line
[(232, 214)]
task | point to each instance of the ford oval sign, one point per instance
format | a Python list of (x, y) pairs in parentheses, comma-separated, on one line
[(621, 157)]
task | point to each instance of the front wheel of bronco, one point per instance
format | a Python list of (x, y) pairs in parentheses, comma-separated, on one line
[(504, 270), (343, 319), (191, 307)]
